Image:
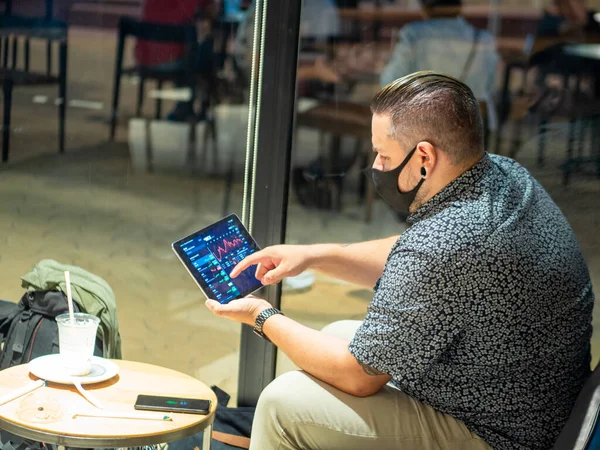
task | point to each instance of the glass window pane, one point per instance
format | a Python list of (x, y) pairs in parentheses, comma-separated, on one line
[(113, 202), (533, 112)]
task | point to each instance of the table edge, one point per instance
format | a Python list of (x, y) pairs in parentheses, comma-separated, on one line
[(104, 442)]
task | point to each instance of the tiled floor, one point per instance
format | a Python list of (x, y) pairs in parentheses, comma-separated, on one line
[(91, 208)]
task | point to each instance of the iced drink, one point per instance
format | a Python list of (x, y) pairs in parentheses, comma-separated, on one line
[(77, 339)]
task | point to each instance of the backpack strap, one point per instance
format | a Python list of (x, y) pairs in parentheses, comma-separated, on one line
[(26, 327), (5, 324), (42, 339), (18, 327), (222, 396), (6, 356), (231, 439), (21, 333)]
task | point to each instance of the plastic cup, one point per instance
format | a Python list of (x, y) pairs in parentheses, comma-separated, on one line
[(76, 340)]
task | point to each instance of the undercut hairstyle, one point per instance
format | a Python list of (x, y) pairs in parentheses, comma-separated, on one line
[(429, 106)]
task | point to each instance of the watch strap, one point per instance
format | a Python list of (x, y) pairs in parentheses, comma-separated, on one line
[(261, 319)]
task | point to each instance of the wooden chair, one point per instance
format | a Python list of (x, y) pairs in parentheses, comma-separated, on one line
[(40, 29), (185, 76), (129, 27), (16, 30), (515, 107), (566, 103)]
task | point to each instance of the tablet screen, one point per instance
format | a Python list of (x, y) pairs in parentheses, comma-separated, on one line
[(210, 255)]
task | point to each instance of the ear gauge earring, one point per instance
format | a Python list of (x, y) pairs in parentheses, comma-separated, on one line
[(423, 172)]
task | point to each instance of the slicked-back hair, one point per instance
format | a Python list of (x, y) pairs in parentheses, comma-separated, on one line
[(433, 107)]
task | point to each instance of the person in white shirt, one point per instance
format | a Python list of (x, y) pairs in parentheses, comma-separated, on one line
[(445, 42)]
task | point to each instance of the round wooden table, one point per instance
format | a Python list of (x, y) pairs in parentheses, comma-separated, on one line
[(116, 395)]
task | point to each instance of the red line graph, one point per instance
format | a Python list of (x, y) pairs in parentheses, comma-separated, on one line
[(219, 251)]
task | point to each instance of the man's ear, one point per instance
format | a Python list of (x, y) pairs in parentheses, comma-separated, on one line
[(426, 155)]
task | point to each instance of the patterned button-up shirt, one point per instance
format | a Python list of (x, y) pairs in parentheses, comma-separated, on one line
[(483, 310)]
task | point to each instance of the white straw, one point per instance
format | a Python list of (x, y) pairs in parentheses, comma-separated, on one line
[(22, 391), (119, 415), (69, 296)]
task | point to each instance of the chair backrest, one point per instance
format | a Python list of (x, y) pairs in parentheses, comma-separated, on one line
[(184, 34), (157, 32), (49, 5), (21, 29), (33, 27), (582, 430)]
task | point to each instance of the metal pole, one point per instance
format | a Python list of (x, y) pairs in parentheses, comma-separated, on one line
[(271, 168)]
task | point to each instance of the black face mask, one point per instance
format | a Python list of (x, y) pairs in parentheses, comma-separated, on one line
[(386, 185)]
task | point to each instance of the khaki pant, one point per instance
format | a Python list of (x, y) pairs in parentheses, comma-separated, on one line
[(297, 411)]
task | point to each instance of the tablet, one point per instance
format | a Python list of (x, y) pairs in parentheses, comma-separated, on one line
[(209, 255)]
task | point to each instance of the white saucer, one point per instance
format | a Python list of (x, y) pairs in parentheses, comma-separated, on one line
[(49, 367)]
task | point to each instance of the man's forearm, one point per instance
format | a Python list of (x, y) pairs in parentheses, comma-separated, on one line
[(324, 357), (360, 263)]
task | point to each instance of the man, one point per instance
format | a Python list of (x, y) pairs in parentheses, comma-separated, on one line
[(481, 318), (446, 42)]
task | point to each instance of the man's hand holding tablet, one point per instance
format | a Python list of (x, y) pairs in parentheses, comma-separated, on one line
[(210, 255), (221, 259)]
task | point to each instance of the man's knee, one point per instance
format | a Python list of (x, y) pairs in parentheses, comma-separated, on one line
[(286, 406), (280, 393), (290, 399), (278, 410), (343, 329)]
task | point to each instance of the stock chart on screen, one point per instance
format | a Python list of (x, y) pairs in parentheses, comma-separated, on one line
[(215, 253)]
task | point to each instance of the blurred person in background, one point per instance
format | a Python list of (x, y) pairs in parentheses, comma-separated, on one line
[(445, 42), (171, 56)]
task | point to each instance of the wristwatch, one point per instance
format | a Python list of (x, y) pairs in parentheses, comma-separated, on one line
[(261, 319)]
